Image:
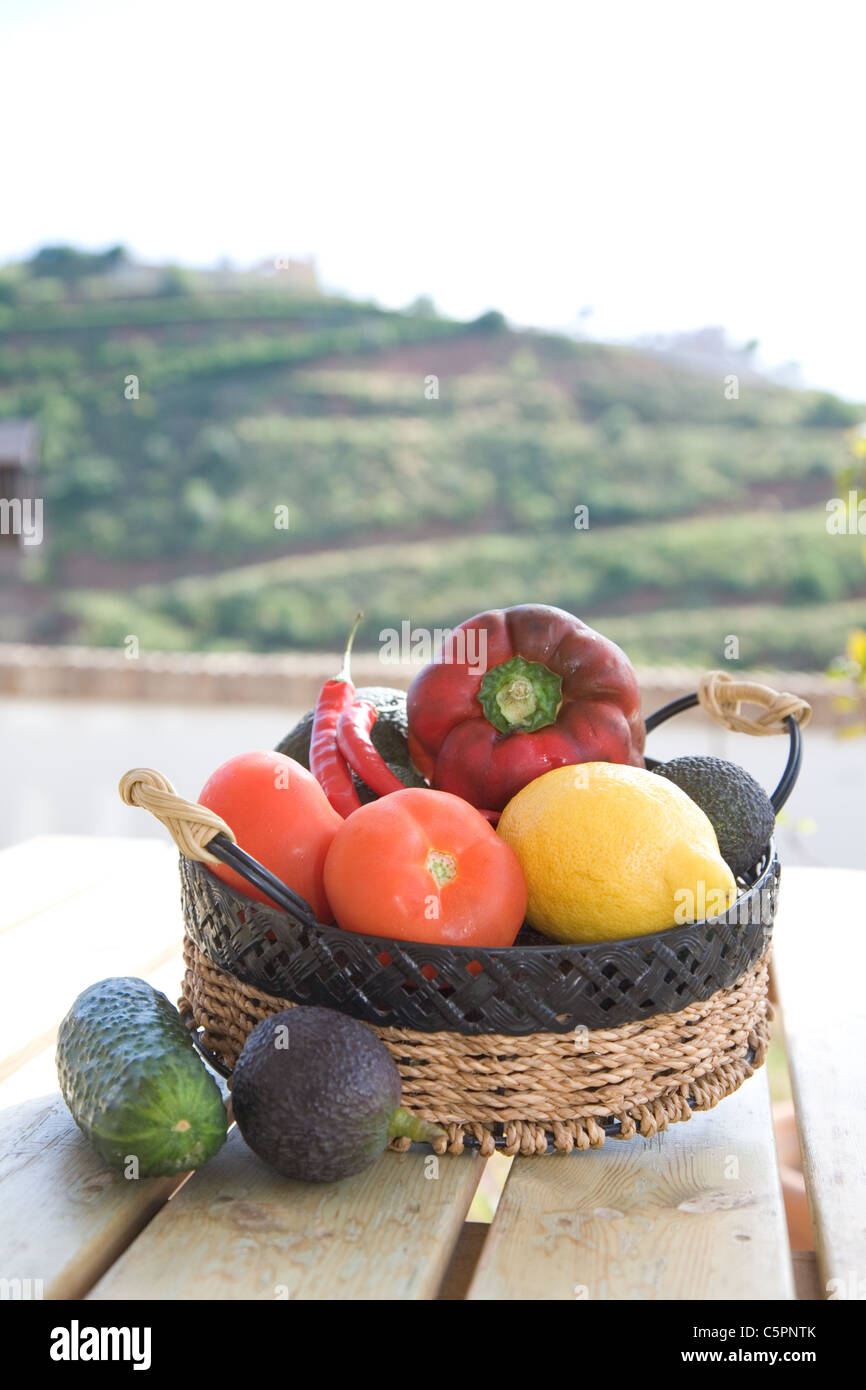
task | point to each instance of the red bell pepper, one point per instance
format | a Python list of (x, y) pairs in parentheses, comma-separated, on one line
[(531, 689)]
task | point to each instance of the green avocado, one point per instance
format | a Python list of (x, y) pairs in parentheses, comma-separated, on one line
[(737, 806), (390, 736), (135, 1084), (317, 1095)]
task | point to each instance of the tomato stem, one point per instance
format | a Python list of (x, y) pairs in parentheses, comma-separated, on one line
[(441, 866)]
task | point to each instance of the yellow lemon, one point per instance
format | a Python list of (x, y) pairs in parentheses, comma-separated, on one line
[(611, 851)]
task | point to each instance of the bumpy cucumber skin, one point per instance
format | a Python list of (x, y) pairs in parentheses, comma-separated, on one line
[(129, 1073)]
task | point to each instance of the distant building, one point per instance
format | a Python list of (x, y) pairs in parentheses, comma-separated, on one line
[(20, 510), (298, 274), (131, 278)]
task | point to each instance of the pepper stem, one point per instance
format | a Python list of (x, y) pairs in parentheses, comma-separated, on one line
[(407, 1126), (343, 673), (520, 695)]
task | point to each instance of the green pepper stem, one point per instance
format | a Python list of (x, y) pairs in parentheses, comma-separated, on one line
[(407, 1126), (520, 695)]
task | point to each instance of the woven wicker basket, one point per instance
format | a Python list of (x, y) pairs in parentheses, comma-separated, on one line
[(539, 1046), (540, 1091)]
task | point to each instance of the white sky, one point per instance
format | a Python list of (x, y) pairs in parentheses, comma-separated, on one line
[(671, 165)]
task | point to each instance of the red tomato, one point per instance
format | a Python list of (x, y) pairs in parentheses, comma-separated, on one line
[(280, 816), (425, 866)]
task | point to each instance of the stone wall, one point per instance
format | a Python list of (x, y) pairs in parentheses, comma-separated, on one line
[(292, 680)]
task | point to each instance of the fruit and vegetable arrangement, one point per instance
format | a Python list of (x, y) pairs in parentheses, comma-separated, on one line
[(502, 796), (530, 800)]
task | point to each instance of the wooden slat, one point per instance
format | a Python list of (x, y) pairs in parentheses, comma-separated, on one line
[(74, 911), (820, 964), (696, 1213), (50, 869), (65, 1216), (238, 1231), (37, 1076), (122, 924)]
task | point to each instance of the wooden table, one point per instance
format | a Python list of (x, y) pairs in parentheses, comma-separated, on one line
[(696, 1213)]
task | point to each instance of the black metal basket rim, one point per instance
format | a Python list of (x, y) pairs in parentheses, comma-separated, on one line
[(767, 868)]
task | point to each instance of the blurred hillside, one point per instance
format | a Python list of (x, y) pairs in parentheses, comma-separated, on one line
[(240, 462)]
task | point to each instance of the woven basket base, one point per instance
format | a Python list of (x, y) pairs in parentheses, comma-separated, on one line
[(545, 1090)]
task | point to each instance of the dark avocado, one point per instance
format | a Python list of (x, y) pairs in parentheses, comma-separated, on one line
[(389, 735), (317, 1095), (739, 809)]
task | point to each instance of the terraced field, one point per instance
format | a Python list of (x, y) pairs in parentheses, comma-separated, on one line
[(281, 461)]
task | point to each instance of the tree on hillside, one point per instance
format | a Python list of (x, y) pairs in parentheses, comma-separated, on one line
[(490, 322), (69, 264), (830, 412), (422, 308)]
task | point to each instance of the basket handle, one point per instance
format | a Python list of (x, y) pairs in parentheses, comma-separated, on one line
[(722, 697), (200, 833)]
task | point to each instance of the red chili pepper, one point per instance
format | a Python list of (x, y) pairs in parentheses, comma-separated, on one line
[(362, 755), (327, 763)]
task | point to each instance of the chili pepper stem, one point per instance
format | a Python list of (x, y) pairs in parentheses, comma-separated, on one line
[(343, 673), (407, 1126)]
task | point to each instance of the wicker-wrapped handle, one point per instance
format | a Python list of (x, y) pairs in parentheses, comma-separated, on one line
[(200, 833), (723, 697), (192, 827)]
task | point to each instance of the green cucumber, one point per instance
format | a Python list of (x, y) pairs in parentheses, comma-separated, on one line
[(134, 1083)]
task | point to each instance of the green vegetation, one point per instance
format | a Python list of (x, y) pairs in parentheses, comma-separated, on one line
[(696, 578), (267, 461)]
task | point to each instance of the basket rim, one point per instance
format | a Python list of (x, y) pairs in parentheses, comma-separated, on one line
[(767, 869)]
